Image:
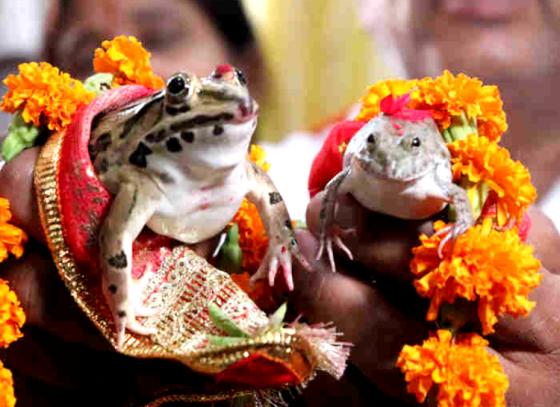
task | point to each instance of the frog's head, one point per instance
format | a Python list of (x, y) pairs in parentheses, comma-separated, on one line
[(399, 150), (213, 118)]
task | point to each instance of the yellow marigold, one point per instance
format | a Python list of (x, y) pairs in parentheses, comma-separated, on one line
[(482, 160), (258, 156), (465, 374), (7, 397), (12, 316), (126, 58), (11, 237), (494, 268), (449, 95), (375, 93), (44, 95)]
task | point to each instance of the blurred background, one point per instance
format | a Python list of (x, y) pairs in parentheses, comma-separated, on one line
[(309, 61), (314, 63)]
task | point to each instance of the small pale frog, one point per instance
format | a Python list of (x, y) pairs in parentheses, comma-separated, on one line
[(176, 162), (400, 168)]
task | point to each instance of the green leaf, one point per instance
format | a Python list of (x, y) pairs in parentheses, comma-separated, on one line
[(99, 83), (231, 255), (20, 136), (276, 319), (224, 322)]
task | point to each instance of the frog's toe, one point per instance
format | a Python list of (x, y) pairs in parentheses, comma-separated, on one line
[(144, 311), (136, 327), (286, 264), (340, 244)]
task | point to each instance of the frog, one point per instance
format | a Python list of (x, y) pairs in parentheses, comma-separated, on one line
[(176, 163), (396, 167)]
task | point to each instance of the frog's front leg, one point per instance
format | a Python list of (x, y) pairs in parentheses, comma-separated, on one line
[(131, 209), (282, 241), (464, 216), (327, 233)]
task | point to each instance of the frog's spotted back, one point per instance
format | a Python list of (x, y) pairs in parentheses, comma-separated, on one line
[(188, 111)]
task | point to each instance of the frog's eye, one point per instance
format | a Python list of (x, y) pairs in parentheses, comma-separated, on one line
[(371, 139), (415, 142), (177, 85), (240, 76)]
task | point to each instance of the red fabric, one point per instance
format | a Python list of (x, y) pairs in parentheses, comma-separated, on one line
[(84, 201), (259, 370), (395, 107), (328, 161)]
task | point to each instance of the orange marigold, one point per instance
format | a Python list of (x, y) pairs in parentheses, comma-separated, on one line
[(465, 373), (126, 58), (449, 95), (11, 237), (375, 93), (492, 267), (253, 240), (12, 316), (7, 397), (482, 160), (44, 95)]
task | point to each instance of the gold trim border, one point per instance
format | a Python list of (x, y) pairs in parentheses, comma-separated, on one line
[(210, 360)]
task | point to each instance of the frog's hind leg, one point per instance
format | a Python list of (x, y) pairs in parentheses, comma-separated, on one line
[(130, 211), (327, 234)]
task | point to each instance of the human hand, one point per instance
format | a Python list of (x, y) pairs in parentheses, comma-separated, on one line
[(373, 302), (62, 358)]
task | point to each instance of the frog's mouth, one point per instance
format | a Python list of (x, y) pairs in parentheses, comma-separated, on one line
[(248, 110), (391, 173)]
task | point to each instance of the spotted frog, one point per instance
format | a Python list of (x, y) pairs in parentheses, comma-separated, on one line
[(400, 168), (176, 163)]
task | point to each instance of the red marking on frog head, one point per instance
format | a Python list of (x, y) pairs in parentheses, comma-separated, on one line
[(395, 107), (223, 69)]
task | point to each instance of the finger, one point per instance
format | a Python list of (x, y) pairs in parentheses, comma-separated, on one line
[(381, 244), (16, 184), (377, 329), (46, 301), (530, 370), (539, 330), (544, 237)]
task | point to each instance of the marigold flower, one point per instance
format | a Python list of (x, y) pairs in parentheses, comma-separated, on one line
[(126, 58), (492, 267), (377, 92), (449, 95), (465, 373), (482, 160), (253, 240), (7, 397), (11, 237), (258, 156), (44, 95), (12, 316)]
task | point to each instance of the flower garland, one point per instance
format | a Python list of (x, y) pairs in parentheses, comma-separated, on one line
[(12, 316), (488, 271)]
